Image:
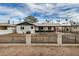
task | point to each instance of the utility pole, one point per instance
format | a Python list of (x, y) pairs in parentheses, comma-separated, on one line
[(8, 21)]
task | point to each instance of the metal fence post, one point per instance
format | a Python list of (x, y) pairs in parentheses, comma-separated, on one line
[(28, 38)]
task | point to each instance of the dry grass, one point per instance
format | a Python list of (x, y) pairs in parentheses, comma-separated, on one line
[(38, 50)]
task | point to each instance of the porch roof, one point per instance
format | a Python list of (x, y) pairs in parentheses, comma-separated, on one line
[(50, 24)]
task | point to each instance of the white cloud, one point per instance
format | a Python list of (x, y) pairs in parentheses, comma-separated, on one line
[(11, 13), (45, 9), (42, 8), (59, 9)]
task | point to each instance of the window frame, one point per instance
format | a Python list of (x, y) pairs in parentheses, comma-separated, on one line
[(22, 27), (49, 28), (41, 28)]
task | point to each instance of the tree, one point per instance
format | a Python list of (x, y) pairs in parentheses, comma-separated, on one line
[(30, 19), (47, 21), (66, 19), (72, 22)]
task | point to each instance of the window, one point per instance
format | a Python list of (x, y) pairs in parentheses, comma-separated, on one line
[(49, 28), (40, 28), (32, 27), (22, 28)]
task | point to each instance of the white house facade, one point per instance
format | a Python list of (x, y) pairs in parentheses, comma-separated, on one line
[(25, 27)]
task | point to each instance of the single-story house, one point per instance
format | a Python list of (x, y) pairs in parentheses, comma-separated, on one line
[(26, 27)]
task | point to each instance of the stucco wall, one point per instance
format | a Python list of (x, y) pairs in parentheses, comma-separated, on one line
[(26, 29)]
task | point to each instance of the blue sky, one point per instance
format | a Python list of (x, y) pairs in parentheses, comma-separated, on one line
[(42, 11)]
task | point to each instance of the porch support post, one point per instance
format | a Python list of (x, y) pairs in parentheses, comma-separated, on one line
[(62, 28), (54, 29)]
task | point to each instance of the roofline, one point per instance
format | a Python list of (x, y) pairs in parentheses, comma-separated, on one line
[(23, 24)]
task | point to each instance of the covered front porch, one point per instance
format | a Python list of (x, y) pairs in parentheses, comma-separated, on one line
[(69, 29), (57, 29)]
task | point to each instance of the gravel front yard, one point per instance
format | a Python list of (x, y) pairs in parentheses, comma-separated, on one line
[(38, 50)]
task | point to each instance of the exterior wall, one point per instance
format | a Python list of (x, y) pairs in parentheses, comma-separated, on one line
[(52, 28), (26, 29), (36, 28)]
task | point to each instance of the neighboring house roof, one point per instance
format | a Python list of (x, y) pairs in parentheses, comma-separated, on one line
[(51, 24), (7, 25), (24, 23)]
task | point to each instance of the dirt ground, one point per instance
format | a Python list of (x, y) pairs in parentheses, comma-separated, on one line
[(38, 50)]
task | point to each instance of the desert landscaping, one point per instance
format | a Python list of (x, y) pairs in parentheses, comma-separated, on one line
[(38, 50)]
